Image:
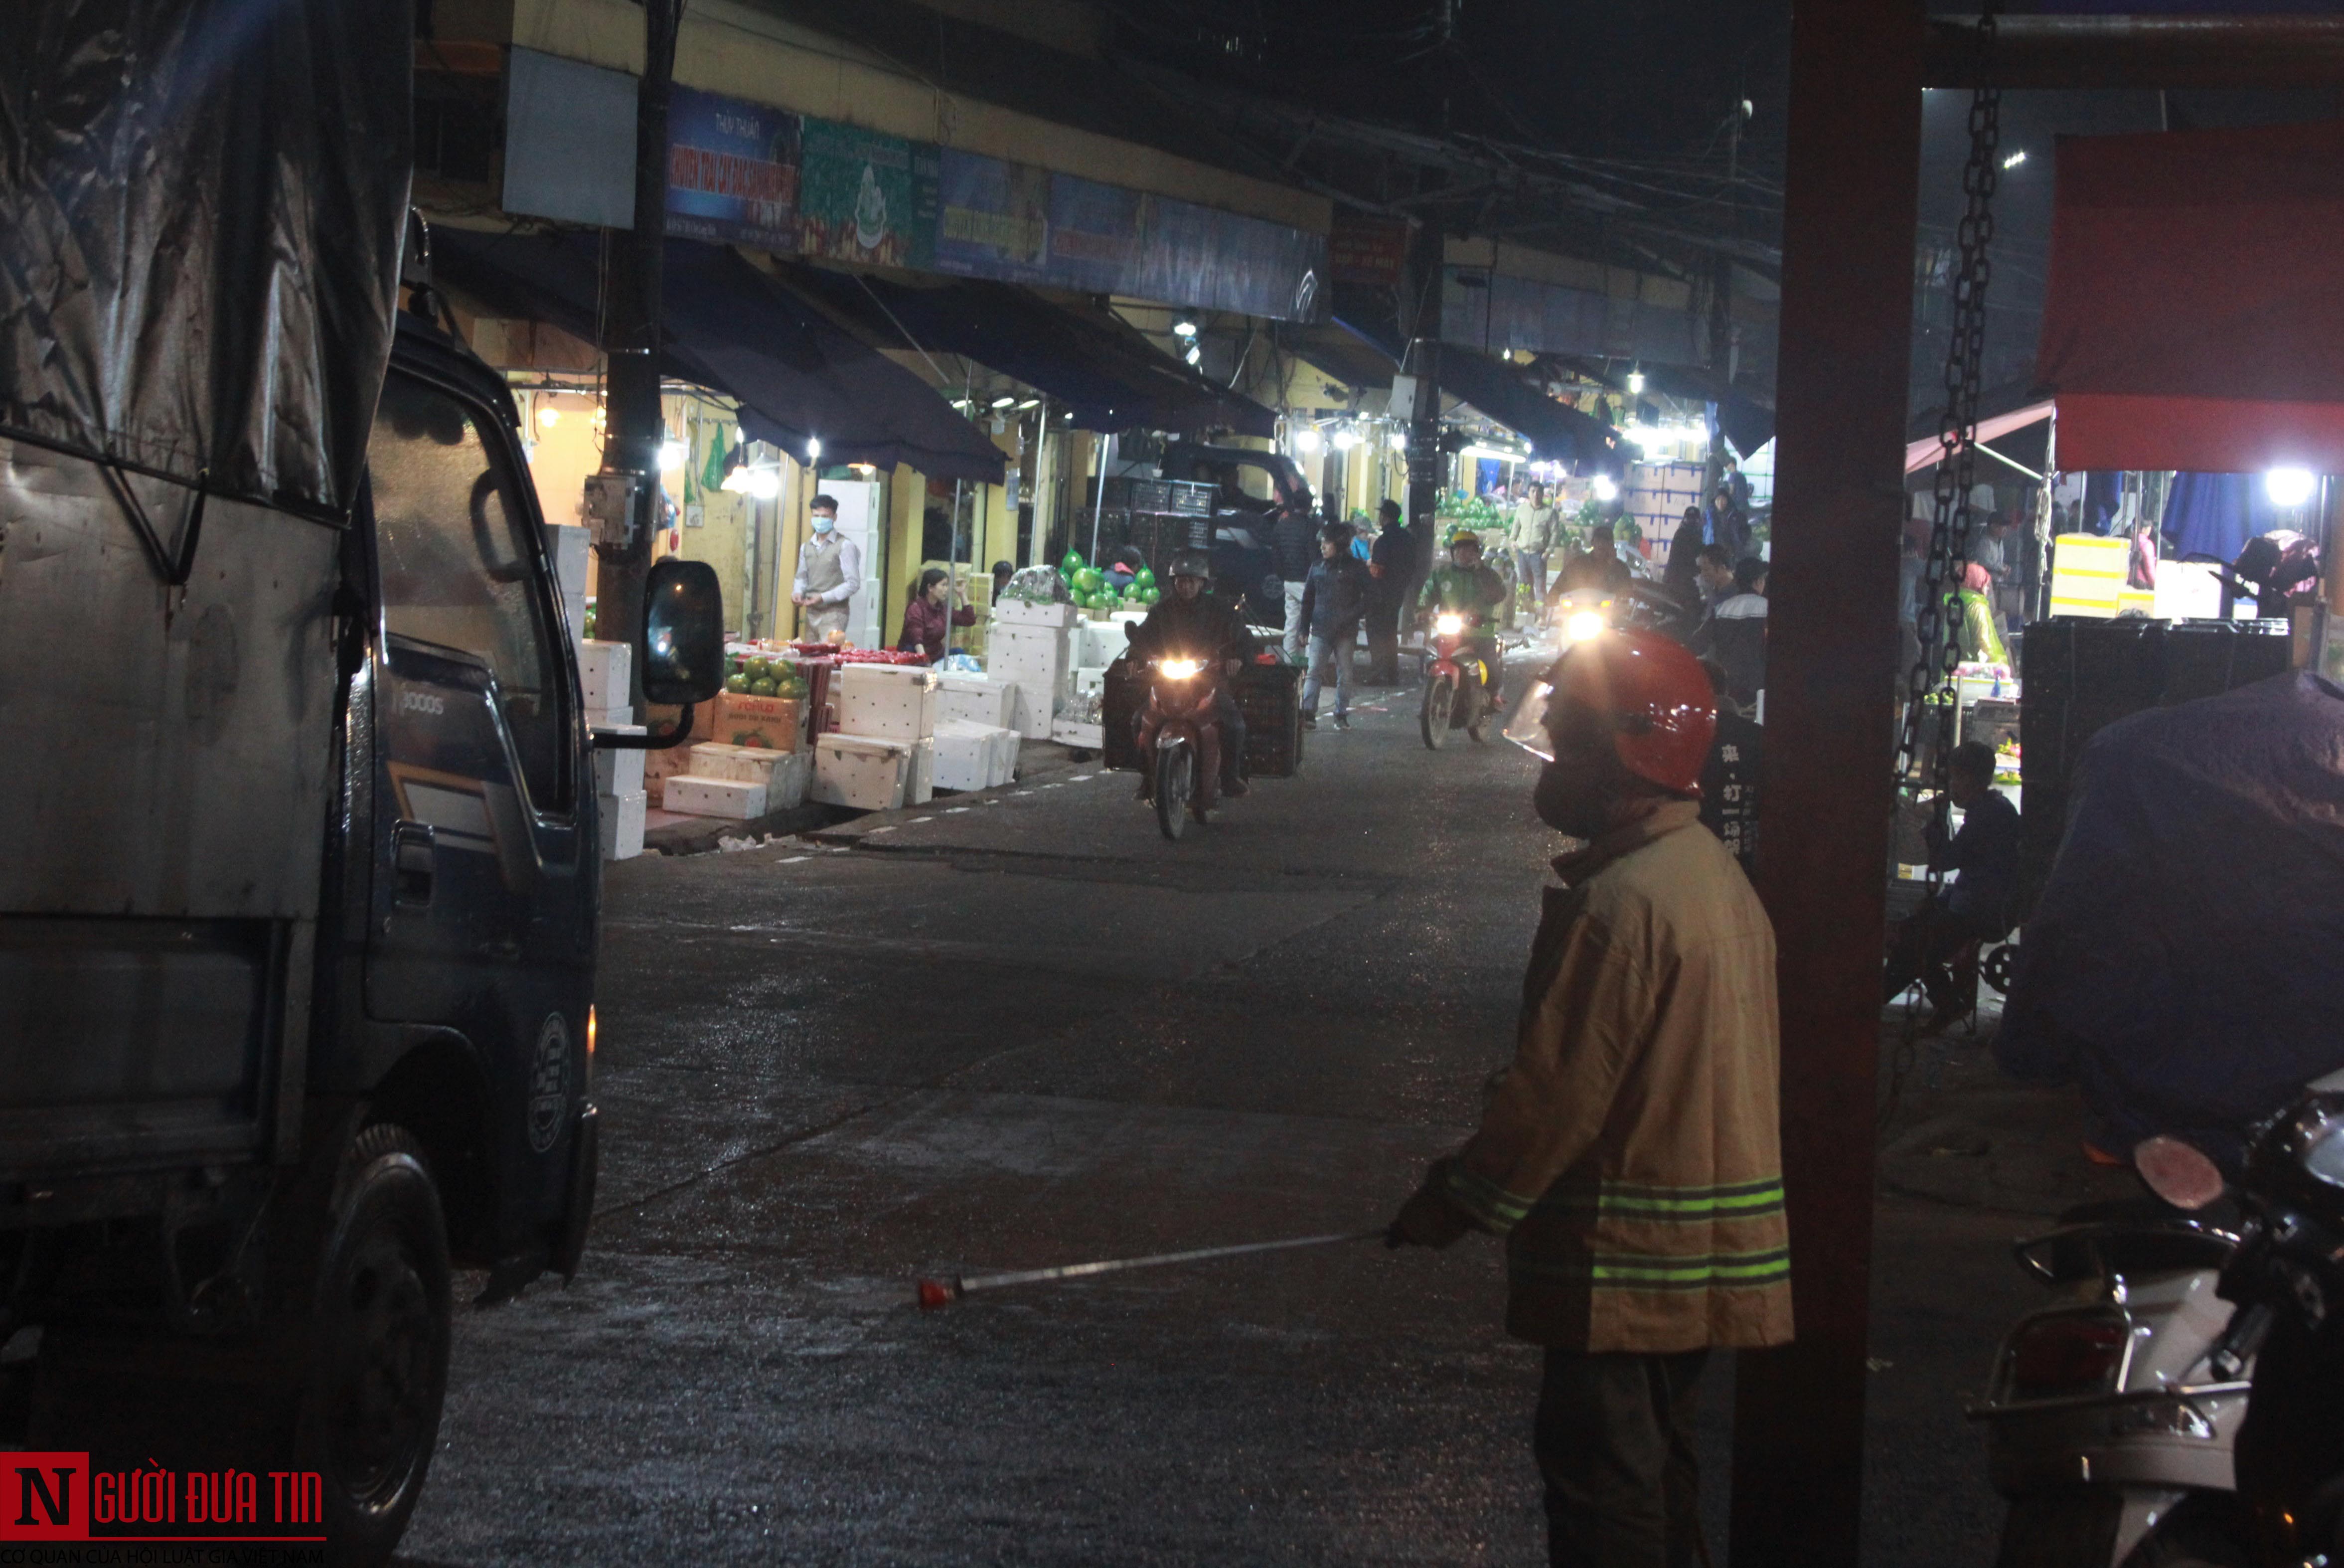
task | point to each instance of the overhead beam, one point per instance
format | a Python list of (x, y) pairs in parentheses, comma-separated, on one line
[(2066, 52)]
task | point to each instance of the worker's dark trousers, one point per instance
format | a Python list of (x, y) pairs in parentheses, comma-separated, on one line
[(1614, 1442)]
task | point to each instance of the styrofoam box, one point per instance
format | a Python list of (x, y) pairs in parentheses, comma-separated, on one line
[(1036, 701), (974, 756), (620, 773), (857, 770), (566, 545), (890, 701), (604, 670), (735, 799), (974, 699), (920, 776), (784, 774), (622, 820), (1017, 612), (1087, 680), (1035, 647), (1099, 642)]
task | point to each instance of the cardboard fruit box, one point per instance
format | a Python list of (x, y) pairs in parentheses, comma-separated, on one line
[(774, 724)]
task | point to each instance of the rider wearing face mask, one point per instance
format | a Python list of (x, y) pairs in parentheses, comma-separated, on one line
[(1192, 624), (1630, 1155), (830, 568)]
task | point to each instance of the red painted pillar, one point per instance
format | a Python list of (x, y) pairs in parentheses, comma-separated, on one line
[(1847, 289)]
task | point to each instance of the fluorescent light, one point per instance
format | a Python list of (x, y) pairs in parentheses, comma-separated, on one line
[(1194, 354), (2289, 487), (1002, 401), (1029, 402), (1184, 328), (2015, 160), (1306, 438), (1606, 488)]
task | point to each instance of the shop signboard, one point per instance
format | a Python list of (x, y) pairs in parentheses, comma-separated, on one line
[(732, 170), (993, 218), (866, 197), (1098, 234), (1367, 248), (1202, 256)]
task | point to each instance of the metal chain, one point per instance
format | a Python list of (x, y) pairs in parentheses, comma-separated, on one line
[(1933, 682)]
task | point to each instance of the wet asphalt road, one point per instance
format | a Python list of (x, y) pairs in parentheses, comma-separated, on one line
[(1028, 1031)]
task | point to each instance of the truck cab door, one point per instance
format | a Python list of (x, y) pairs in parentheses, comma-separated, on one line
[(483, 901)]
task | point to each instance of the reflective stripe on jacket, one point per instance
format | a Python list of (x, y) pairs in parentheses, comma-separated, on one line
[(1632, 1153)]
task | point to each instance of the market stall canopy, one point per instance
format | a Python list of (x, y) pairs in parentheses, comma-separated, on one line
[(1556, 432), (1110, 374), (2193, 318), (203, 202), (1748, 423), (736, 330), (1924, 454)]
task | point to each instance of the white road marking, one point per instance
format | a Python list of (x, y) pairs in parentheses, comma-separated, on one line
[(877, 831), (954, 810), (793, 859), (924, 819)]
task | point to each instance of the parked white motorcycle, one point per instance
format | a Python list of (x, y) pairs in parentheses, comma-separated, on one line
[(2105, 1426)]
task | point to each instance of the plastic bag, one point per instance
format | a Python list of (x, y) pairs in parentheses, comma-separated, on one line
[(1036, 585)]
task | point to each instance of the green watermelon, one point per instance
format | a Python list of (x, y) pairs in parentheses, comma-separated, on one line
[(1069, 563), (1147, 578)]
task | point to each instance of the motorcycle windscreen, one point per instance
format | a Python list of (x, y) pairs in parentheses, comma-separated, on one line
[(204, 201), (1526, 725)]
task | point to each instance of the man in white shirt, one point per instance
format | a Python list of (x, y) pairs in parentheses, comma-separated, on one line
[(830, 568)]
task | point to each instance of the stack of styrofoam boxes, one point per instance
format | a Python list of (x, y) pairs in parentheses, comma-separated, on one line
[(739, 783), (604, 672), (974, 756), (860, 772), (891, 705), (1030, 647)]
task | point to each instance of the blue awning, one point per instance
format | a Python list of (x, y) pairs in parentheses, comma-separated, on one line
[(1556, 432), (1105, 371), (735, 329)]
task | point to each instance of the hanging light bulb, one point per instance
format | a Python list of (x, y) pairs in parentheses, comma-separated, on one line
[(1306, 438), (2289, 487), (813, 449), (1636, 383), (1184, 328), (1399, 440), (1346, 438), (672, 454), (761, 484), (1606, 488), (548, 416)]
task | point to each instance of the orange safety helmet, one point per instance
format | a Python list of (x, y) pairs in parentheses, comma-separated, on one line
[(1661, 709)]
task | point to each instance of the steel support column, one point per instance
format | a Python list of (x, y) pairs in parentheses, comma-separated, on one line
[(1850, 208)]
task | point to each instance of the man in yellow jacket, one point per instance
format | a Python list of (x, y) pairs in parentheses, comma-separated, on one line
[(1630, 1155)]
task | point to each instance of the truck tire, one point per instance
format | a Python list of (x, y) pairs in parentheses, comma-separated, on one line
[(377, 1369)]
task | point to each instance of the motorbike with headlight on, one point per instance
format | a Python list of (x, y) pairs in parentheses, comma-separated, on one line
[(1461, 686), (1180, 741)]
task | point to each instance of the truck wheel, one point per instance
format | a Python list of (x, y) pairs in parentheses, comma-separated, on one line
[(379, 1359)]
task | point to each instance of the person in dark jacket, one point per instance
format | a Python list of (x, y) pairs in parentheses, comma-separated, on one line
[(1734, 635), (925, 630), (1294, 547), (1977, 907), (1191, 623), (1389, 563), (1334, 600), (1597, 567)]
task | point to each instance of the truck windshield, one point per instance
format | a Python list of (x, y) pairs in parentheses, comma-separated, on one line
[(456, 570)]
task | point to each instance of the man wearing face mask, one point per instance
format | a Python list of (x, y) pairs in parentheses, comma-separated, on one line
[(1631, 1154), (830, 568)]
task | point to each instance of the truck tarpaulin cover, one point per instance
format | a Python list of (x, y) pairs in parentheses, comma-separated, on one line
[(2193, 319), (2181, 966), (203, 202)]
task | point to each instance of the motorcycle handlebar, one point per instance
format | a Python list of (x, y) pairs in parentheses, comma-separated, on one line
[(2250, 1326)]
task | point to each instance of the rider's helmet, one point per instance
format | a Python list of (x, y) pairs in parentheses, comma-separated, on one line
[(1192, 563), (1654, 697), (1464, 536)]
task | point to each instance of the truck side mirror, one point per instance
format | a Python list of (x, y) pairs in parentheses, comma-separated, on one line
[(683, 644)]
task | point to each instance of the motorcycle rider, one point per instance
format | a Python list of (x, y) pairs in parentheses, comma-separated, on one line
[(1466, 587), (1192, 623)]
